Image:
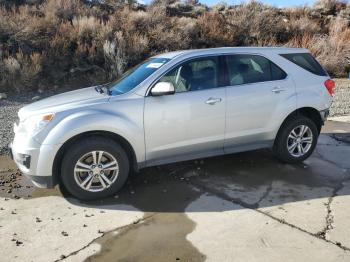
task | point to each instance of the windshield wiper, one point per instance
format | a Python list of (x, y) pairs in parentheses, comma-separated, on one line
[(102, 90)]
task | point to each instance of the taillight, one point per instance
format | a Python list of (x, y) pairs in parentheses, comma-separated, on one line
[(330, 84)]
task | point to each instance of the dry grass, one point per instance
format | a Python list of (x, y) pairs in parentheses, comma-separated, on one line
[(68, 42), (332, 49)]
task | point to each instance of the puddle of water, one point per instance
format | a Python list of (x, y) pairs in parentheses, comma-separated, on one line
[(160, 238), (162, 235)]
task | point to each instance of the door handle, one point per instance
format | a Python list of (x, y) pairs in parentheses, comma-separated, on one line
[(277, 90), (212, 101)]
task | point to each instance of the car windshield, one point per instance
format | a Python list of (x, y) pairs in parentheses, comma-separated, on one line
[(133, 77)]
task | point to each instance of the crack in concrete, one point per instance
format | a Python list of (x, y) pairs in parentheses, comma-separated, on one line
[(339, 139), (320, 155), (329, 217), (329, 220), (235, 200), (254, 207), (267, 192), (201, 186), (128, 226), (326, 159)]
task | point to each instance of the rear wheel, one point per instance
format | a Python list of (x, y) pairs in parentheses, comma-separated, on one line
[(94, 168), (296, 140)]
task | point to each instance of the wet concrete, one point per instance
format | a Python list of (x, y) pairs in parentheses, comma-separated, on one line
[(163, 194), (170, 198), (159, 238), (14, 185)]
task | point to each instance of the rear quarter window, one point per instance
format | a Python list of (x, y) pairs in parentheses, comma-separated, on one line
[(277, 73), (307, 62)]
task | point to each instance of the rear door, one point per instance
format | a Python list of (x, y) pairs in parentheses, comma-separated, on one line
[(191, 122), (257, 95)]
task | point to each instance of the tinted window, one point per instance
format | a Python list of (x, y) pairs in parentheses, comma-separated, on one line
[(246, 69), (198, 74), (306, 61), (136, 75), (276, 72)]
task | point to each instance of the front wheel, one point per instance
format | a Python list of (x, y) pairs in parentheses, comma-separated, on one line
[(296, 140), (94, 168)]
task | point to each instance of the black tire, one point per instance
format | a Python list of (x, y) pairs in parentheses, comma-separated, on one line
[(280, 149), (84, 146)]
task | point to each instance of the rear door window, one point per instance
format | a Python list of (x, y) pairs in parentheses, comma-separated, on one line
[(247, 69), (306, 61)]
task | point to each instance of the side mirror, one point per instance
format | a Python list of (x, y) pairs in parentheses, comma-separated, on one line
[(163, 88)]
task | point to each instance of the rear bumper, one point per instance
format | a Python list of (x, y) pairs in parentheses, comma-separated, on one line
[(324, 114)]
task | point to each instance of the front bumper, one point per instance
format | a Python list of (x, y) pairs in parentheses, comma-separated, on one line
[(42, 181), (35, 161), (23, 163), (21, 159)]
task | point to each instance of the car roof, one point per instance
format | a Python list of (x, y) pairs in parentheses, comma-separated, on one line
[(220, 50)]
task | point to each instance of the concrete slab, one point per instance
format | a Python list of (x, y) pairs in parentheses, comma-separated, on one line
[(302, 206), (241, 207), (247, 235), (338, 155), (345, 119), (50, 228), (340, 212), (249, 195)]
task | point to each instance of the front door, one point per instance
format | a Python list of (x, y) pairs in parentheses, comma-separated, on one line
[(191, 122)]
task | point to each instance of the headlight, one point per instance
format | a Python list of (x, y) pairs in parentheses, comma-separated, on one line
[(36, 123)]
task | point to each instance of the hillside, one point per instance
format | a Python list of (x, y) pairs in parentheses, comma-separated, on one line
[(57, 44)]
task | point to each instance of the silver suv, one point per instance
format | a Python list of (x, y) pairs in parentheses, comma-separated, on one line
[(172, 107)]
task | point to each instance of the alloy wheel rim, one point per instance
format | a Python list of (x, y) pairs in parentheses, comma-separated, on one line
[(299, 141), (96, 171)]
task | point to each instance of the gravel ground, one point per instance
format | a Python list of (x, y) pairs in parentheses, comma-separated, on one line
[(341, 103), (9, 109), (8, 115)]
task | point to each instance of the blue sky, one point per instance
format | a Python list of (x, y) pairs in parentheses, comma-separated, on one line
[(278, 3), (281, 3)]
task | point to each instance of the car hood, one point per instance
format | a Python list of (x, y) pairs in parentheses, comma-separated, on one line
[(64, 101)]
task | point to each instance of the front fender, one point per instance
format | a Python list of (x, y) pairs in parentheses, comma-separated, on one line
[(94, 120)]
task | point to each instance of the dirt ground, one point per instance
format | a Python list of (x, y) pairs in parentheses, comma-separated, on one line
[(240, 207)]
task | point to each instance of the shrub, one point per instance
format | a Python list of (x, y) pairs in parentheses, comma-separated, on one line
[(115, 55), (21, 71), (332, 50), (45, 43)]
